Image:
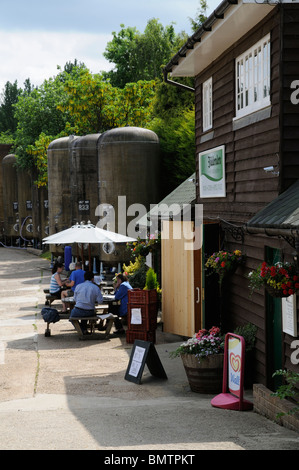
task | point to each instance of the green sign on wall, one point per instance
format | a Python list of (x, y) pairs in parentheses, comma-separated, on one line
[(212, 172)]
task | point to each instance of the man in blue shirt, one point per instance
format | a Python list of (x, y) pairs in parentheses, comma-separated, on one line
[(86, 295), (76, 278)]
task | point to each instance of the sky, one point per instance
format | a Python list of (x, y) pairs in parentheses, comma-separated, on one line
[(36, 36)]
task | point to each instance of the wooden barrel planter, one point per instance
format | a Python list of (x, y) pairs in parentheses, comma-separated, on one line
[(204, 375)]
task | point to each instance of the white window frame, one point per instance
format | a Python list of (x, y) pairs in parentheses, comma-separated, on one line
[(253, 78), (207, 105)]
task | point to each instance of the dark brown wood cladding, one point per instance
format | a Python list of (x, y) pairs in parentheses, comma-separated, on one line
[(248, 149), (289, 111)]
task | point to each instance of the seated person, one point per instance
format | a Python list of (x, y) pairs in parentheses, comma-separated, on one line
[(86, 295), (76, 278), (121, 293), (56, 284)]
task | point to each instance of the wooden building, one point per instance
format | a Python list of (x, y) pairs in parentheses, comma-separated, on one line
[(244, 59)]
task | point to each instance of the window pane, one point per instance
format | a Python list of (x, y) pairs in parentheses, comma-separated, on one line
[(207, 105), (253, 77)]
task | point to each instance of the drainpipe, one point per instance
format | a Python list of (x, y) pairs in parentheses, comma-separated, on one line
[(179, 85)]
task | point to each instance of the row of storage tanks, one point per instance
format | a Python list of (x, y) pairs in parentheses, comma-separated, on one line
[(83, 173)]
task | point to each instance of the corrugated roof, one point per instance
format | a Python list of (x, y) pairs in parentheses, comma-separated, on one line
[(184, 194), (282, 212)]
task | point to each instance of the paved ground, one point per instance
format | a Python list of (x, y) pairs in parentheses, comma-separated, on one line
[(61, 393)]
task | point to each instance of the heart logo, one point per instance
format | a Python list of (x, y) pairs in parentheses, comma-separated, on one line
[(235, 362)]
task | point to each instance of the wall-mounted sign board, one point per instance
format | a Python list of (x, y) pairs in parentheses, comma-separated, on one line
[(289, 315), (144, 352), (211, 167)]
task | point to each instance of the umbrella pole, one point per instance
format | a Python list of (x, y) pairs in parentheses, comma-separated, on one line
[(89, 255), (82, 253)]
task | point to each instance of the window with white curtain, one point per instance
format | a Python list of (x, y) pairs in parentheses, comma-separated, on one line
[(207, 105), (253, 78)]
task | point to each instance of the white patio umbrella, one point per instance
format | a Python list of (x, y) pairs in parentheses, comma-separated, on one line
[(86, 233)]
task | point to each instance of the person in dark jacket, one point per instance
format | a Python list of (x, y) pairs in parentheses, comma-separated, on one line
[(121, 293)]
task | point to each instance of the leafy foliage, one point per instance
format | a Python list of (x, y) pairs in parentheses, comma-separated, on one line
[(289, 390), (95, 105), (136, 272), (9, 97), (151, 279), (37, 113), (177, 144), (200, 15), (139, 56), (132, 94), (248, 332)]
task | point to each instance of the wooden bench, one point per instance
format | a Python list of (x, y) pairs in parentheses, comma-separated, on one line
[(62, 315), (92, 322), (97, 320), (49, 298)]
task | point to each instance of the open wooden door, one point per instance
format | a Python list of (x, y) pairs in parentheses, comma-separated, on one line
[(181, 297)]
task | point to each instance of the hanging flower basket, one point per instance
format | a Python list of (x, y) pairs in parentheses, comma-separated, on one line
[(225, 262), (275, 292), (280, 280)]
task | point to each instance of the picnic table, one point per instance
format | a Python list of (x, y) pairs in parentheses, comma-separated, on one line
[(94, 322)]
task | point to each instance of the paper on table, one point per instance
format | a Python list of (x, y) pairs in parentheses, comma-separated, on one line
[(104, 316), (136, 318)]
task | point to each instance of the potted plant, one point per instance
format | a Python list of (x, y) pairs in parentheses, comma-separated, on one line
[(202, 357), (248, 331), (280, 279), (225, 262)]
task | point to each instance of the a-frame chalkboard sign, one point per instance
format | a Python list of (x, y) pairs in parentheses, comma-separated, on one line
[(144, 352)]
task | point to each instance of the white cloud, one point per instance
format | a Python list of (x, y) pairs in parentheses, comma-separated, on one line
[(35, 55), (35, 51)]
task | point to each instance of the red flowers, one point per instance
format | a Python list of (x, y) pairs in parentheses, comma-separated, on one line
[(282, 277)]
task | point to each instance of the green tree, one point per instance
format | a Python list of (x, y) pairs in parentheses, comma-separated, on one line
[(37, 112), (9, 97), (121, 51), (96, 106), (139, 56), (177, 143), (174, 123), (200, 17), (76, 103), (155, 47)]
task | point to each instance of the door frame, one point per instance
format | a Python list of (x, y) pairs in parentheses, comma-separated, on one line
[(273, 328)]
